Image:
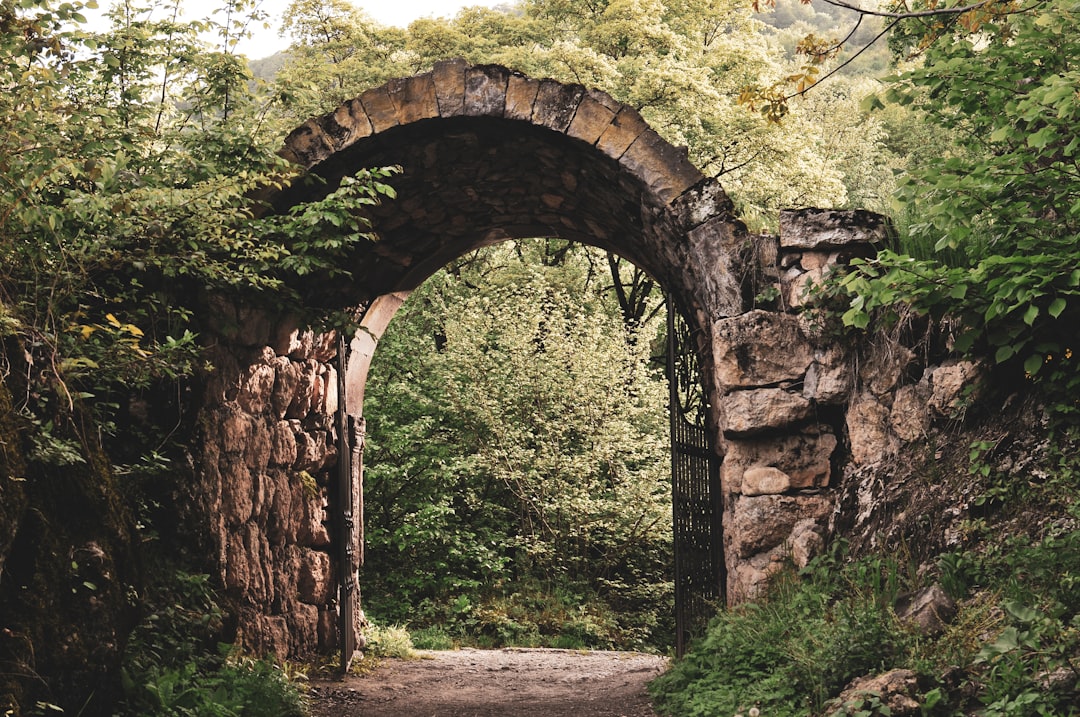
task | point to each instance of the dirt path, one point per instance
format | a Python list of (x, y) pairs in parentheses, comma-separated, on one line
[(512, 682)]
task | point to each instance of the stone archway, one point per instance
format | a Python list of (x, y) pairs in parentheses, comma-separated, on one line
[(489, 154)]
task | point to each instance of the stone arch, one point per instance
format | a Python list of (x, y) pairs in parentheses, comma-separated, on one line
[(490, 154), (487, 155)]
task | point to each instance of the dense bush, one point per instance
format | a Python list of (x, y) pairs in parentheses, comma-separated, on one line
[(516, 470)]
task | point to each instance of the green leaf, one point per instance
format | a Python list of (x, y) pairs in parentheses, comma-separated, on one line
[(1033, 363), (1031, 314), (1056, 307)]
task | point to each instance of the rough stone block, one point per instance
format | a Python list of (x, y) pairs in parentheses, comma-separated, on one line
[(312, 530), (235, 427), (765, 480), (830, 377), (761, 523), (590, 120), (760, 348), (796, 286), (328, 629), (948, 383), (824, 229), (346, 124), (414, 98), (556, 104), (324, 347), (805, 458), (256, 385), (380, 109), (305, 390), (283, 444), (869, 432), (307, 145), (520, 97), (929, 610), (806, 542), (625, 128), (887, 366), (287, 380), (763, 409), (485, 90), (449, 78), (316, 578), (303, 629), (666, 169), (237, 491), (910, 415), (329, 403), (257, 447)]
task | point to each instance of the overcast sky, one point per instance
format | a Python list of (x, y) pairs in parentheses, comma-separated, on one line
[(266, 42)]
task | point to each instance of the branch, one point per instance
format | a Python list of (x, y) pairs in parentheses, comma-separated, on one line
[(959, 10)]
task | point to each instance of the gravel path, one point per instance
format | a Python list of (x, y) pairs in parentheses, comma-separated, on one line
[(512, 682)]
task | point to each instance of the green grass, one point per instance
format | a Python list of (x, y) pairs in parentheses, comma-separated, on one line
[(1013, 649)]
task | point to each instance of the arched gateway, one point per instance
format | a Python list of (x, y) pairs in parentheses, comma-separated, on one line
[(488, 155)]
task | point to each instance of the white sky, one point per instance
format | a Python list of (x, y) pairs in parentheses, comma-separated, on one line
[(266, 41)]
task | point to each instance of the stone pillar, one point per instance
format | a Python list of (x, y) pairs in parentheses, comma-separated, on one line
[(783, 390), (265, 466)]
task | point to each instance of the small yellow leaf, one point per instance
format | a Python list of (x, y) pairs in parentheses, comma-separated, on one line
[(113, 320)]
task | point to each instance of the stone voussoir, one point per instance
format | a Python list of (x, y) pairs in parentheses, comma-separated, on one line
[(449, 79), (485, 90), (307, 145), (520, 97), (414, 97), (666, 169), (380, 109), (625, 128), (556, 104), (591, 120), (346, 124)]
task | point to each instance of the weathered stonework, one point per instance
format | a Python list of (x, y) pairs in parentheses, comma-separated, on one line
[(489, 154), (265, 462)]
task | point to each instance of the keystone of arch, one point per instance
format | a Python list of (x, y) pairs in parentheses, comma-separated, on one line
[(456, 89)]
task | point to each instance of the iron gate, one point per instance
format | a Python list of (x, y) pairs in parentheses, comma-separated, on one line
[(348, 515), (695, 488)]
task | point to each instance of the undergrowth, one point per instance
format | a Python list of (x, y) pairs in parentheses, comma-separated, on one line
[(527, 614), (175, 667), (1012, 650)]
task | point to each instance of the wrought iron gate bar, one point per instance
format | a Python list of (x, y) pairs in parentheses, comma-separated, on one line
[(343, 521), (695, 489)]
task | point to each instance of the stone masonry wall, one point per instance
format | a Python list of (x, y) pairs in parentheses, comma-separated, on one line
[(266, 464), (799, 408)]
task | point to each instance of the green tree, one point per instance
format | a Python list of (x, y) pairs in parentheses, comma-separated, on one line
[(683, 63), (517, 437), (1003, 210)]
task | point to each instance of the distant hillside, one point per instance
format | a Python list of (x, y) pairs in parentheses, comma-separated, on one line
[(266, 68)]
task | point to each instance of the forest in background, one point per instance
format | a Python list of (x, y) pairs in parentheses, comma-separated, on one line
[(127, 159)]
